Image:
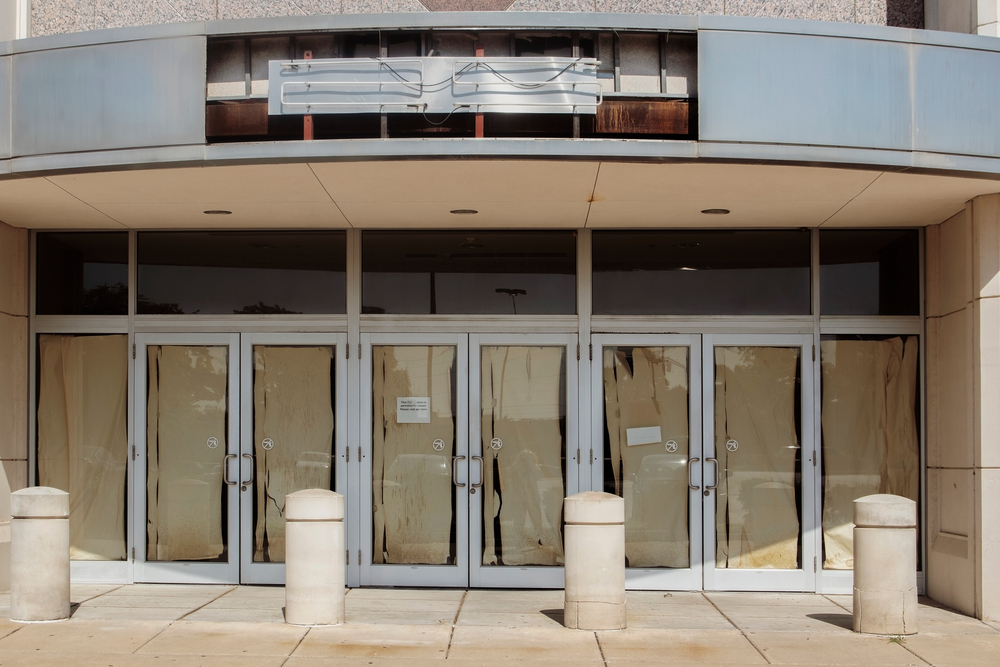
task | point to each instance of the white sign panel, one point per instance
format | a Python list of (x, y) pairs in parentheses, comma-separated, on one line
[(642, 436), (413, 409)]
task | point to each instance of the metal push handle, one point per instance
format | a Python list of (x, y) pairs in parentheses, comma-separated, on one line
[(691, 486), (716, 485), (249, 457), (225, 469), (454, 472), (482, 473)]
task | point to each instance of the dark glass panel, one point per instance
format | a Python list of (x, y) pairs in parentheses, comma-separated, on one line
[(81, 273), (701, 273), (869, 272), (469, 272), (246, 273)]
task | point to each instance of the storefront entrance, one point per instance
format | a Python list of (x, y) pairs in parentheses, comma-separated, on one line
[(231, 423)]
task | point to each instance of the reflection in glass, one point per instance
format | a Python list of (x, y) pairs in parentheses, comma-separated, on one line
[(524, 444), (871, 443), (82, 438), (81, 273), (757, 445), (469, 272), (869, 272), (186, 417), (293, 435), (701, 273), (646, 447), (413, 433), (242, 273)]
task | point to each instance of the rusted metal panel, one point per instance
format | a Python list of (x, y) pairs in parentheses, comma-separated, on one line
[(642, 117), (236, 119)]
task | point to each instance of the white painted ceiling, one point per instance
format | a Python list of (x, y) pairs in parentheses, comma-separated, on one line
[(510, 194)]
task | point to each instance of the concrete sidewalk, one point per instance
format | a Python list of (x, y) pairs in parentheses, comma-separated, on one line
[(188, 626)]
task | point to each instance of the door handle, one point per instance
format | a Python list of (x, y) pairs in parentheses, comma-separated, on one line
[(250, 458), (716, 485), (694, 487), (482, 474), (454, 471), (225, 469)]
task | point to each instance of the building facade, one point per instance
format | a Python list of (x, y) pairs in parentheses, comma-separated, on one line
[(457, 265)]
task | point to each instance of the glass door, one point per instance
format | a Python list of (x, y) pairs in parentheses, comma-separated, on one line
[(759, 454), (646, 421), (415, 460), (523, 435), (187, 454), (293, 399)]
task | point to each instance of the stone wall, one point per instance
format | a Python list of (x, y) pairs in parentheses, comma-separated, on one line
[(61, 16), (13, 380), (963, 409)]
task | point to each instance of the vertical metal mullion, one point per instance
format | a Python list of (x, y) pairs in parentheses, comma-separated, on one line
[(247, 67), (352, 357), (922, 250), (664, 38), (817, 405), (132, 474), (383, 52), (576, 54), (618, 64), (584, 307), (32, 364)]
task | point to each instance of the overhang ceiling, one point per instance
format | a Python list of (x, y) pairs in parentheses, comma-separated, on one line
[(509, 194)]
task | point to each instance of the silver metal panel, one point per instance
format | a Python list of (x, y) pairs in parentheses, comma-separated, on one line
[(109, 36), (956, 100), (433, 85), (799, 89), (124, 95), (5, 107)]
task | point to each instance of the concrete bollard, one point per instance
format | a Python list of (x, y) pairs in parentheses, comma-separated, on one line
[(885, 565), (39, 555), (314, 558), (595, 561)]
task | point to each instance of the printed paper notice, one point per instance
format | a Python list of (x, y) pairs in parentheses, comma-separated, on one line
[(642, 436), (413, 409)]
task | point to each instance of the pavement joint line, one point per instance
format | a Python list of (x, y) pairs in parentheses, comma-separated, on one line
[(851, 611), (170, 623), (909, 650), (298, 644), (217, 597), (749, 641), (601, 649), (454, 622)]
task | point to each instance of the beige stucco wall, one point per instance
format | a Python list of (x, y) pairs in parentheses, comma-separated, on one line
[(13, 379), (963, 409)]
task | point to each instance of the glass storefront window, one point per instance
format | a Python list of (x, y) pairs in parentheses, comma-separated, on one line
[(82, 437), (504, 273), (646, 446), (869, 272), (701, 273), (81, 273), (871, 436), (242, 273)]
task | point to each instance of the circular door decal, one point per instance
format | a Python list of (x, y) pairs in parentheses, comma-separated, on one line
[(213, 443), (438, 445), (267, 443), (671, 445), (496, 444), (732, 445)]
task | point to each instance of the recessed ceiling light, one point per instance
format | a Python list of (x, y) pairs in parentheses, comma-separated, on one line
[(464, 211), (216, 211), (716, 211), (687, 268)]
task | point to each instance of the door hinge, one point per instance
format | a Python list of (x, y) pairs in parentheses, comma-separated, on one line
[(814, 564), (347, 351), (359, 556), (133, 554), (814, 353), (348, 450), (578, 352), (133, 350), (578, 456), (814, 459), (359, 350), (591, 351), (359, 453), (133, 452)]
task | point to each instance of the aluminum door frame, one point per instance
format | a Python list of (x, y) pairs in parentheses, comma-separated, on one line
[(457, 575), (804, 578), (518, 576), (666, 579), (274, 573), (187, 572)]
